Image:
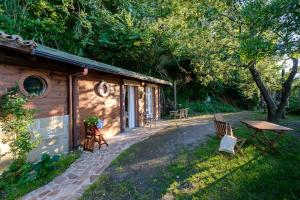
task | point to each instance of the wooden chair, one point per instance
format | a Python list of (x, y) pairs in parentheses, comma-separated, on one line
[(221, 127), (183, 113), (149, 119), (92, 135)]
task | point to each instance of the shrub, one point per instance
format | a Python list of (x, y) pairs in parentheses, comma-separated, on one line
[(23, 173), (23, 177), (16, 120), (208, 107)]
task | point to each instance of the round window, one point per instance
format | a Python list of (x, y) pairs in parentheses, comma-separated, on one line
[(35, 85)]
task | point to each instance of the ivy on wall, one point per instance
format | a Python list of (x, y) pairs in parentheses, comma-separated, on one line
[(16, 120)]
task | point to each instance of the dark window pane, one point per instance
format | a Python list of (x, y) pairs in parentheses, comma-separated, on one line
[(35, 85)]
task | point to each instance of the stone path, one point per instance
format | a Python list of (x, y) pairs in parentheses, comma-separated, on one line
[(84, 171)]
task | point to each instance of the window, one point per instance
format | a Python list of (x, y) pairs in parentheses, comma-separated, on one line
[(35, 85)]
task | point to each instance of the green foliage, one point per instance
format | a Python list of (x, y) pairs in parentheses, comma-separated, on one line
[(46, 165), (208, 107), (25, 173), (203, 44), (16, 120), (91, 121), (294, 101), (22, 178)]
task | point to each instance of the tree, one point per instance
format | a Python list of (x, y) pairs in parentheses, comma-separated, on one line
[(245, 33)]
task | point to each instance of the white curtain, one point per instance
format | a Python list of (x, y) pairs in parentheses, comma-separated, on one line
[(131, 107), (149, 99)]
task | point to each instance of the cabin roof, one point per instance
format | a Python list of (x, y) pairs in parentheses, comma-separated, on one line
[(29, 46)]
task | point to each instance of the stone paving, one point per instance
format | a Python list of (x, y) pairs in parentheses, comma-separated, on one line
[(84, 171)]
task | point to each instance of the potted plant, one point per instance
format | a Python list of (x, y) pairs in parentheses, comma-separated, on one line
[(91, 121)]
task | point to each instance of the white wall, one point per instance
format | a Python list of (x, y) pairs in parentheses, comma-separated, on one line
[(54, 134)]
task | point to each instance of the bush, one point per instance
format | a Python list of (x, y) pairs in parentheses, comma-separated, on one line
[(15, 123), (22, 178), (208, 107), (23, 173)]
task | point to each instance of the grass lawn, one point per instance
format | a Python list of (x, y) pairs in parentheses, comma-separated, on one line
[(14, 191), (203, 174)]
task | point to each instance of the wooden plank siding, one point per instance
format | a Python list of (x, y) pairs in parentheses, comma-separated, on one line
[(90, 103), (55, 103), (86, 102)]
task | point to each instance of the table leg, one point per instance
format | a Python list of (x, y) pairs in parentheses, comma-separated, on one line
[(272, 143)]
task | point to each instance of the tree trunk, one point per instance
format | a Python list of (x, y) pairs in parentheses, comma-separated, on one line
[(283, 116), (271, 106), (274, 112), (287, 87)]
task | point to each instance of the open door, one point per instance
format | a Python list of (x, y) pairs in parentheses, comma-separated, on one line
[(130, 107), (149, 101)]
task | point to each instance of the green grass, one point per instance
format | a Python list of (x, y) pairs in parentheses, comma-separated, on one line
[(202, 173), (15, 191)]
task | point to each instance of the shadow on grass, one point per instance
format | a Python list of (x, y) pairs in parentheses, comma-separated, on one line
[(262, 177), (150, 171)]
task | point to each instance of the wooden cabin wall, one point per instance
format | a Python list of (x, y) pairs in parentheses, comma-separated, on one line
[(52, 119), (53, 104), (90, 103)]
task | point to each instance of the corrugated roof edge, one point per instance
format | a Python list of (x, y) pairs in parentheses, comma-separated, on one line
[(55, 54)]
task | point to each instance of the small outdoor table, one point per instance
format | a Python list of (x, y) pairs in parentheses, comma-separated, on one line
[(260, 127)]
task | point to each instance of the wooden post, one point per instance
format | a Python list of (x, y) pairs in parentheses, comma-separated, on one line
[(70, 108), (175, 96), (122, 104)]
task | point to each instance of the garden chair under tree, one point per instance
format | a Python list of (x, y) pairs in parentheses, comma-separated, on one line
[(221, 127)]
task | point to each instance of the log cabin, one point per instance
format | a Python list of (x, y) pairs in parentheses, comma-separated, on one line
[(69, 88)]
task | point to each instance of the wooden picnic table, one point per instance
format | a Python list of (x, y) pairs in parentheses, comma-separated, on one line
[(260, 127)]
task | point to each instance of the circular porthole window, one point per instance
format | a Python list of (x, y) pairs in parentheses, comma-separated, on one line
[(35, 85)]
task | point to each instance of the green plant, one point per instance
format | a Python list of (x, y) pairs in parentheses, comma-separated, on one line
[(18, 172), (23, 173), (208, 107), (91, 121), (16, 120), (46, 165), (22, 178)]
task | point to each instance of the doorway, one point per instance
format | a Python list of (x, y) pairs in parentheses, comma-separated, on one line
[(130, 106), (149, 101)]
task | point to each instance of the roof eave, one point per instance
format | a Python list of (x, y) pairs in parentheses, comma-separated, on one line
[(41, 53)]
